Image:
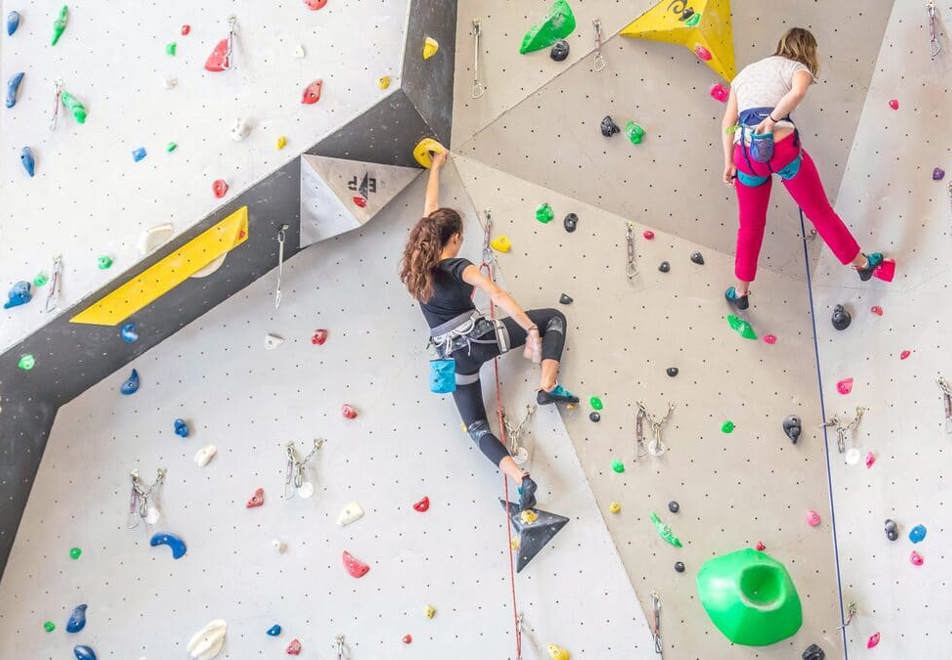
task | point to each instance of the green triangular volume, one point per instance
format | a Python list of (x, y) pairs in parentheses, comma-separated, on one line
[(558, 24)]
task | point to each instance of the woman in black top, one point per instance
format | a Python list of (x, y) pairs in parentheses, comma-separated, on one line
[(443, 283)]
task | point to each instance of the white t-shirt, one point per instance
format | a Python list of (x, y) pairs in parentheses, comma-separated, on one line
[(763, 83)]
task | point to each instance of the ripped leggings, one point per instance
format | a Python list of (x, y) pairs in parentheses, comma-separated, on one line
[(469, 389)]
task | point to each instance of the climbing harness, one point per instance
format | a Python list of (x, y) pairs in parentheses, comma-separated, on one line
[(520, 453), (631, 268), (655, 446), (946, 401), (760, 148), (656, 628), (598, 63), (57, 91), (56, 284), (935, 46), (339, 646), (478, 88), (144, 501), (844, 431), (296, 471), (282, 236)]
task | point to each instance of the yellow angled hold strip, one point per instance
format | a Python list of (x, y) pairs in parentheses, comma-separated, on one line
[(166, 274)]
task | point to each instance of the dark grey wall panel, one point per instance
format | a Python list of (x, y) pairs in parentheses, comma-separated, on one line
[(429, 84)]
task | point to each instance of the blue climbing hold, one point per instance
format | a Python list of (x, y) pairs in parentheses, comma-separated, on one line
[(77, 620), (13, 86), (128, 333), (181, 428), (138, 154), (274, 630), (131, 384), (29, 162), (19, 294), (84, 652), (175, 543), (13, 22), (917, 533)]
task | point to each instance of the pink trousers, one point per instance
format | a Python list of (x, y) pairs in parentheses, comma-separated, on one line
[(807, 191)]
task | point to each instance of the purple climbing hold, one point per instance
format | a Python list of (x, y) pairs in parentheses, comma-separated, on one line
[(13, 86), (937, 174), (28, 160)]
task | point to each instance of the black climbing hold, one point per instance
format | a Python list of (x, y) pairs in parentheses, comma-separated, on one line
[(686, 14), (570, 222), (565, 299), (595, 417), (679, 566), (792, 426), (609, 127), (533, 534), (664, 267), (813, 652), (672, 371), (892, 529), (841, 318), (697, 258), (560, 50), (673, 506)]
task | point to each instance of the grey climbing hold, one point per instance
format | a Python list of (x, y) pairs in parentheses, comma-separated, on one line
[(841, 318), (609, 127), (673, 506), (891, 529), (793, 427), (813, 652), (570, 222), (595, 417), (535, 527), (672, 371), (679, 566), (664, 267), (560, 50), (697, 258), (566, 299)]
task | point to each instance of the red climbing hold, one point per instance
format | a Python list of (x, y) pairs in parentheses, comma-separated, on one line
[(845, 386), (319, 337), (220, 188), (886, 270), (256, 500), (408, 638), (348, 411), (760, 546), (916, 558), (648, 234), (770, 339), (354, 566), (904, 355), (360, 201), (218, 60), (315, 4), (894, 104), (877, 310), (702, 53), (312, 93), (294, 648), (872, 641), (719, 92), (422, 505), (186, 29)]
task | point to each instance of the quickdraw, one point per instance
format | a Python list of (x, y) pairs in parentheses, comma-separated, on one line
[(520, 453), (850, 613), (57, 92), (296, 471), (56, 284), (946, 389), (282, 237), (339, 646), (935, 46), (598, 62), (656, 628), (478, 88), (631, 267), (844, 431), (655, 446), (143, 501)]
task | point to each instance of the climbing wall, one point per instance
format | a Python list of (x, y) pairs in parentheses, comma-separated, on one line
[(218, 376), (89, 198), (891, 198)]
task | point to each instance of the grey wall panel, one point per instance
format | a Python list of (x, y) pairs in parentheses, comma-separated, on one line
[(429, 83)]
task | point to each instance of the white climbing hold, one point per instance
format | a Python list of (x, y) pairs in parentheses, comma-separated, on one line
[(305, 490), (350, 513), (210, 268), (207, 643), (299, 52), (852, 456), (205, 454), (152, 515), (169, 82), (272, 341), (240, 130), (154, 237), (279, 545)]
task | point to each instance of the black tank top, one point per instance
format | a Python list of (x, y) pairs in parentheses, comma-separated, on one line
[(451, 295)]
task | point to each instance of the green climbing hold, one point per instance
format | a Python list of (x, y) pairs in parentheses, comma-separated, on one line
[(59, 25), (544, 213), (170, 48), (49, 626), (634, 132), (728, 427), (75, 553), (664, 531), (171, 146), (27, 362), (693, 19), (749, 597), (41, 279), (618, 466), (104, 262), (75, 106), (741, 327), (558, 24), (596, 403)]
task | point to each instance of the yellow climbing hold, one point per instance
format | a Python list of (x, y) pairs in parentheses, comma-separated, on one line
[(529, 516), (282, 142), (557, 652), (501, 243), (383, 82), (514, 544), (421, 152), (430, 46), (614, 507), (429, 611)]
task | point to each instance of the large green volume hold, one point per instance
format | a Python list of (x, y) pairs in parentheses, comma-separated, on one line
[(750, 597), (558, 24)]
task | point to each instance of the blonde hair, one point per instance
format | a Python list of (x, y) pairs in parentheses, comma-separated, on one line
[(799, 44)]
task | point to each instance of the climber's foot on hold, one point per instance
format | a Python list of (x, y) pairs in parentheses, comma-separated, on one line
[(736, 300), (873, 261), (557, 394), (527, 491)]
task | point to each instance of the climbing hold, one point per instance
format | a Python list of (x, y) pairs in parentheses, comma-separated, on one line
[(760, 546), (664, 531), (872, 641), (354, 566), (28, 161), (315, 4), (429, 611), (13, 86), (916, 559), (917, 533), (169, 82), (83, 652), (40, 280), (154, 237), (26, 361), (219, 60), (570, 222), (877, 310), (422, 152), (77, 620), (664, 267), (272, 341), (319, 337), (891, 529), (844, 386), (13, 22), (792, 427), (294, 648), (274, 630), (870, 459), (937, 174), (407, 639), (219, 187), (672, 371), (560, 50), (422, 505), (185, 30), (648, 234), (770, 339), (594, 417), (383, 82), (557, 652), (138, 154), (59, 25), (702, 53), (131, 384), (904, 355), (240, 130), (299, 52), (544, 213), (49, 626), (741, 327), (205, 454), (352, 512), (618, 466), (170, 147), (312, 93), (256, 500), (104, 262), (175, 543), (281, 142), (208, 642), (430, 47), (673, 506), (170, 48), (558, 24), (614, 507), (596, 403), (697, 258), (348, 411), (75, 553), (813, 652), (813, 518), (279, 545), (852, 455), (181, 428), (841, 318), (528, 516), (501, 243), (894, 104), (719, 92), (608, 126), (566, 299), (679, 566), (19, 294), (634, 132), (728, 427), (74, 106)]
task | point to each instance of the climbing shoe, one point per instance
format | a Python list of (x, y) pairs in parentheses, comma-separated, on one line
[(558, 394), (527, 491), (873, 261), (737, 302)]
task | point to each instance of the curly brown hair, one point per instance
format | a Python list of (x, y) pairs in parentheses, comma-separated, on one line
[(424, 246)]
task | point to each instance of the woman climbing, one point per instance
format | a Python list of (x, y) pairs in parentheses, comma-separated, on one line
[(443, 283), (759, 140)]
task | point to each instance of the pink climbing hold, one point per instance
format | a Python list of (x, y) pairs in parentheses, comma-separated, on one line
[(218, 61), (872, 641), (894, 104), (770, 339), (870, 459), (813, 518), (256, 500), (719, 92), (845, 386), (886, 270), (186, 29), (877, 310), (315, 4), (348, 411), (422, 505), (904, 355), (408, 639), (354, 566), (312, 93), (916, 559), (220, 188), (294, 648), (702, 53), (760, 546), (319, 337), (648, 234)]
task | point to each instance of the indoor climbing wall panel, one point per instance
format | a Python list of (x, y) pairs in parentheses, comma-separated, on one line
[(89, 197), (734, 488), (894, 357), (218, 376), (551, 135)]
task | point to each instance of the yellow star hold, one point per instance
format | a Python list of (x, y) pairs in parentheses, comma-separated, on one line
[(529, 516), (703, 26)]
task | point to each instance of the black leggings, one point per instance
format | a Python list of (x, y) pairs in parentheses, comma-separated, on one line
[(469, 390)]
